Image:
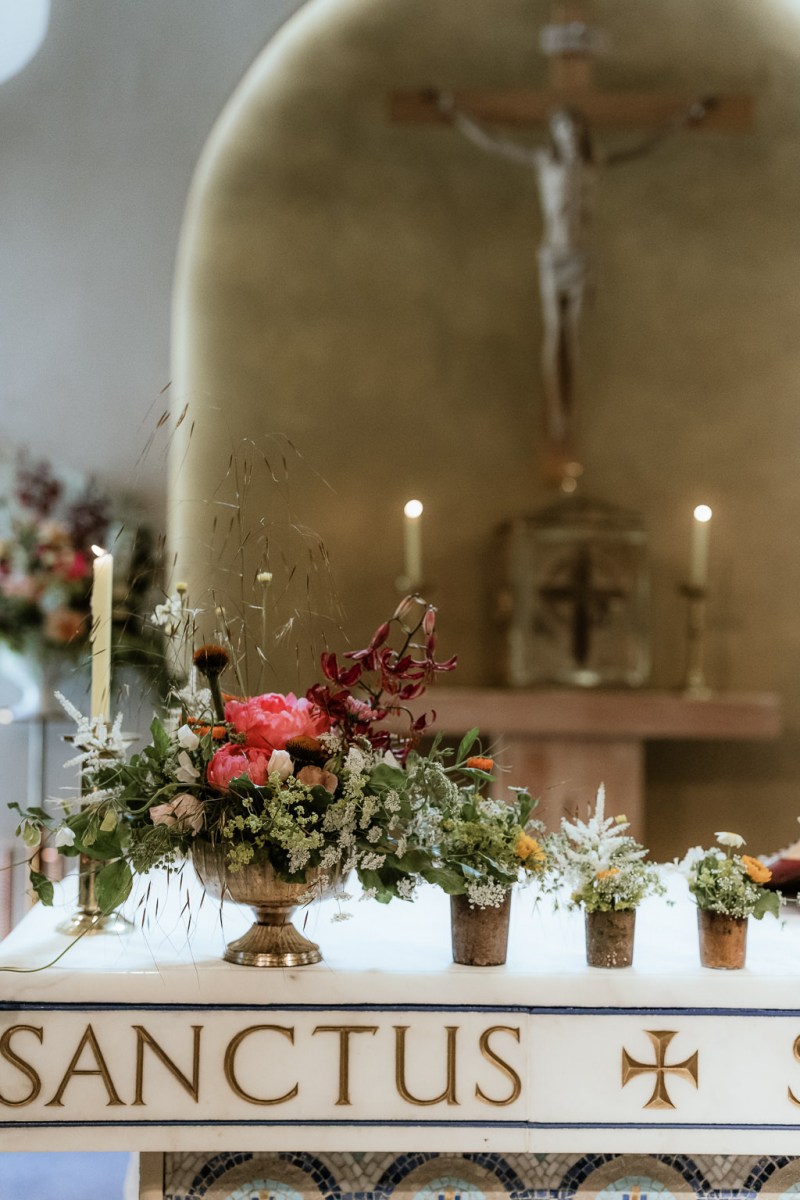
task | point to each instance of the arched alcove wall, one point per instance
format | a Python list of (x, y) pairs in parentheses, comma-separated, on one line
[(369, 291)]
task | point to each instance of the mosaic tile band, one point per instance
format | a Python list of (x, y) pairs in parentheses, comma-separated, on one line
[(381, 1176)]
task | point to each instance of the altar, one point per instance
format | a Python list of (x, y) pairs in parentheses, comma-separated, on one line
[(150, 1042)]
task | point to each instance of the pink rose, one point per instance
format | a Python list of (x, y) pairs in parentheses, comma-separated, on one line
[(269, 721), (231, 761), (183, 811), (315, 777)]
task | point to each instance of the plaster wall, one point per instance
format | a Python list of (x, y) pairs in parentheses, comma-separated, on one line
[(369, 290)]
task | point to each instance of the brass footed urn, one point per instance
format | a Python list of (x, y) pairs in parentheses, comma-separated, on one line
[(272, 940)]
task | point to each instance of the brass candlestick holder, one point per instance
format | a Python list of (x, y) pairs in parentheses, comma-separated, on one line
[(88, 918), (694, 684)]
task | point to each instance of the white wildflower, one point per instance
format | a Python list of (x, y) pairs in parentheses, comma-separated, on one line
[(689, 862), (64, 836), (368, 894), (187, 738), (355, 761), (392, 802), (169, 615), (406, 887), (94, 737), (372, 862), (489, 894), (390, 760), (331, 743), (374, 834), (298, 857), (341, 916), (198, 702), (733, 840), (280, 764), (186, 771)]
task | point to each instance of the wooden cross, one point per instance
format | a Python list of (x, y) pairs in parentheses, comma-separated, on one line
[(570, 42), (571, 84)]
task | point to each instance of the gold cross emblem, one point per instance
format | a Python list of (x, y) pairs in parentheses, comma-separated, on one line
[(687, 1069)]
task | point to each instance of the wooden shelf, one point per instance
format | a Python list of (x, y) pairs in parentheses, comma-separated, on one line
[(562, 743), (641, 715)]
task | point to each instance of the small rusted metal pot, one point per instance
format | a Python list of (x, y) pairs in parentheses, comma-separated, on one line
[(480, 935), (723, 940), (609, 938)]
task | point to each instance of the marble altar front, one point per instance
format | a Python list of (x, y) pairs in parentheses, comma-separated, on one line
[(150, 1042)]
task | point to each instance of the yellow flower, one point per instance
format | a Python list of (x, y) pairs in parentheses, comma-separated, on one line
[(756, 869), (529, 850), (608, 873)]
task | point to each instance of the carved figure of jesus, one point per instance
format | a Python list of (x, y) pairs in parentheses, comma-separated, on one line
[(566, 171)]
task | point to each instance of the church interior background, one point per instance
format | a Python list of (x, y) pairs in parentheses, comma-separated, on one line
[(210, 213)]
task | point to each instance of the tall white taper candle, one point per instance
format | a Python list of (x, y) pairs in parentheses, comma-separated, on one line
[(698, 574), (102, 600), (412, 530)]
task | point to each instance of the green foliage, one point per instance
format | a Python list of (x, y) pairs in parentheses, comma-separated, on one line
[(42, 887), (477, 847), (720, 882)]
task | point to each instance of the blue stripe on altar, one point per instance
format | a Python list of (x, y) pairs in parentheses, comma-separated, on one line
[(531, 1009), (375, 1124)]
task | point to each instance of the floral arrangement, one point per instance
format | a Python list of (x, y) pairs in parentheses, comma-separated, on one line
[(46, 537), (603, 864), (318, 783), (723, 881), (479, 847)]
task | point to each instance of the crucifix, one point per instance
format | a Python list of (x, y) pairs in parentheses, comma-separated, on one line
[(566, 169)]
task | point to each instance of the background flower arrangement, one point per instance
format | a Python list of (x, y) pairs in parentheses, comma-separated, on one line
[(47, 529)]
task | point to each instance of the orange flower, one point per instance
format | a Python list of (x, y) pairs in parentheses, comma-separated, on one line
[(218, 732), (527, 848), (756, 869), (480, 764), (608, 873)]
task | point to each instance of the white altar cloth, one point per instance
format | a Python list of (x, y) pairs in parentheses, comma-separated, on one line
[(151, 1042)]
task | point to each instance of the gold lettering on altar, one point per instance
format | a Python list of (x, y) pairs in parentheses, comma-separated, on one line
[(143, 1038), (796, 1053), (491, 1056), (344, 1032), (449, 1093), (687, 1069), (20, 1063), (230, 1064), (89, 1039)]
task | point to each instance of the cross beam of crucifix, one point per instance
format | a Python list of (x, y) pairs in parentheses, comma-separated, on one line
[(571, 84), (565, 172)]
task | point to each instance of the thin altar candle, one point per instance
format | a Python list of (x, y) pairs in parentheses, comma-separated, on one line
[(412, 531), (102, 601), (698, 575)]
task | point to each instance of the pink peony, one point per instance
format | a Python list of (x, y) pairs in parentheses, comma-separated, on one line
[(315, 776), (269, 721), (184, 811), (231, 761)]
